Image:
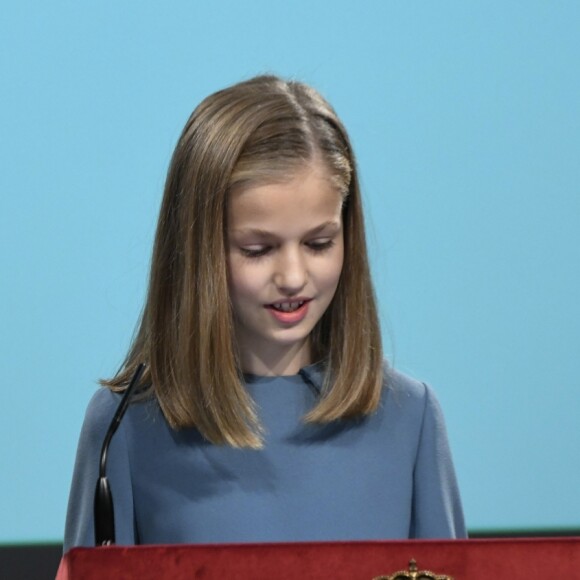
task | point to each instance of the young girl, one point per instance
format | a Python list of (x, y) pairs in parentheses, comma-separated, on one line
[(266, 412)]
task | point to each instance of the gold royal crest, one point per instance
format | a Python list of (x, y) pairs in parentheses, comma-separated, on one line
[(414, 574)]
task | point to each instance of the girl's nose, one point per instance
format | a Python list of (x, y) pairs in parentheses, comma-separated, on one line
[(291, 274)]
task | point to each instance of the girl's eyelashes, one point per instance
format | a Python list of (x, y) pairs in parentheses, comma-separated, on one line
[(255, 251), (315, 246), (318, 246)]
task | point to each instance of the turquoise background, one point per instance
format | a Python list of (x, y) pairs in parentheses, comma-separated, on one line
[(466, 120)]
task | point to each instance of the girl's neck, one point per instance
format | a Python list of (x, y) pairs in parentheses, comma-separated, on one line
[(273, 362)]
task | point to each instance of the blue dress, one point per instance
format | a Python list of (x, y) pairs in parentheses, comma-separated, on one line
[(387, 476)]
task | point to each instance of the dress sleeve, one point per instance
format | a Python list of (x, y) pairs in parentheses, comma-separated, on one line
[(79, 530), (437, 510)]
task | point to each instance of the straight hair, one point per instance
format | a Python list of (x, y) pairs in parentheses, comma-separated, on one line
[(257, 131)]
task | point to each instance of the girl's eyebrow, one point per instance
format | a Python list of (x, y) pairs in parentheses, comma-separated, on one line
[(332, 225)]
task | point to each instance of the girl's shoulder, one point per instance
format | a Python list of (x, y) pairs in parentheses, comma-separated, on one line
[(406, 393), (402, 384), (412, 402), (101, 409), (140, 419)]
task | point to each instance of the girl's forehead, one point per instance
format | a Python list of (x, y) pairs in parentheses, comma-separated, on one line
[(309, 194), (311, 189)]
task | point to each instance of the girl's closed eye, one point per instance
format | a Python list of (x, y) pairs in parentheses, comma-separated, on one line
[(255, 251), (316, 246), (320, 245)]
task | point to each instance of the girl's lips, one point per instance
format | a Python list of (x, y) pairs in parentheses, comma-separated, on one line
[(291, 317)]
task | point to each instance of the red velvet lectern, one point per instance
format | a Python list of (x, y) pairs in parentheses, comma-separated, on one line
[(512, 559)]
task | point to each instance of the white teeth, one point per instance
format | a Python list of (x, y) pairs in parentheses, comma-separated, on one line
[(288, 306)]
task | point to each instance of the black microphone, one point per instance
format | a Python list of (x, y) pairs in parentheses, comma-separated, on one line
[(103, 507)]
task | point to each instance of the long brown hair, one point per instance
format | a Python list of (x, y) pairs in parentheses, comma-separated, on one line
[(251, 132)]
